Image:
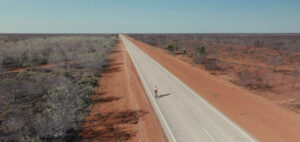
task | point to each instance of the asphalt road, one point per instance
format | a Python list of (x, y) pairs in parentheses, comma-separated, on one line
[(183, 114)]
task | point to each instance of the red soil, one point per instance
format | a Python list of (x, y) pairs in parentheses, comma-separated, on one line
[(121, 110), (262, 118)]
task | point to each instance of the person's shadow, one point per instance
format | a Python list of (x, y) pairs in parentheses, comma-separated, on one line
[(164, 95)]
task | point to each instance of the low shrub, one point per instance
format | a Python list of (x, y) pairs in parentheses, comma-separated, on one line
[(253, 80), (200, 55), (39, 51), (170, 47), (47, 105), (42, 104)]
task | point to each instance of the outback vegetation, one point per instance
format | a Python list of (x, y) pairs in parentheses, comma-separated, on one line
[(267, 64), (46, 82)]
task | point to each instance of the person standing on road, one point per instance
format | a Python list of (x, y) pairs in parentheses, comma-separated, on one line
[(155, 91)]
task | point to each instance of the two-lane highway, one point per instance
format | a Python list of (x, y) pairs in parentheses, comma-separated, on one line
[(184, 115)]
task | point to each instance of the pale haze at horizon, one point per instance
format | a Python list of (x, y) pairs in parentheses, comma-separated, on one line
[(149, 16)]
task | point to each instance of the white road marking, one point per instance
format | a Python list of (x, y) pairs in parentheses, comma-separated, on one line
[(160, 115), (207, 133), (208, 104)]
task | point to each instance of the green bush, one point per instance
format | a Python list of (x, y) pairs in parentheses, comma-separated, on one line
[(200, 50), (170, 47), (200, 55)]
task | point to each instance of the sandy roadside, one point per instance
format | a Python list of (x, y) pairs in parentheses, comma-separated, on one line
[(121, 110)]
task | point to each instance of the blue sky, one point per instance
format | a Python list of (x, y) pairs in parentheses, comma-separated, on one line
[(149, 16)]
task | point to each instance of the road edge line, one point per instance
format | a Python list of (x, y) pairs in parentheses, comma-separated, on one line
[(159, 114)]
